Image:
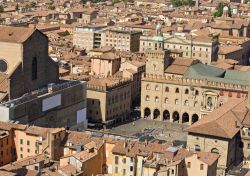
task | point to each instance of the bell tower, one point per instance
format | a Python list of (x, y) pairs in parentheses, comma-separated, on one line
[(157, 61)]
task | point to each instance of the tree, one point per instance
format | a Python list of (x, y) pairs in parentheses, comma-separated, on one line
[(219, 9), (84, 1), (177, 3), (1, 8), (33, 4), (17, 7), (51, 7)]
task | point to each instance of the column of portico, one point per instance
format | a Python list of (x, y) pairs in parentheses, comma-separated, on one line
[(171, 116), (142, 113)]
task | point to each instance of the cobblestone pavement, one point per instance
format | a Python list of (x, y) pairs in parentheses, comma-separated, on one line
[(151, 129)]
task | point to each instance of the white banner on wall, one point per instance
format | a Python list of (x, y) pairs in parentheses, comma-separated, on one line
[(81, 115), (51, 102)]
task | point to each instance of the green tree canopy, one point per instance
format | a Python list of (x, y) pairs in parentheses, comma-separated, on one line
[(17, 7), (219, 9), (84, 1), (33, 4), (1, 8), (177, 3)]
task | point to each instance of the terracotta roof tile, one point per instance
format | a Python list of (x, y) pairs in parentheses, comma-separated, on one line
[(15, 34)]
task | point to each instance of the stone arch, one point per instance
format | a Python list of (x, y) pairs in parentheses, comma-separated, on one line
[(185, 117), (147, 112), (166, 115), (156, 114), (195, 118), (176, 116)]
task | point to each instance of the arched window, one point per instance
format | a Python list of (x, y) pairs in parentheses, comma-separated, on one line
[(156, 87), (186, 103), (177, 90), (34, 69), (148, 87), (186, 91), (147, 98), (166, 100), (196, 104), (221, 103), (197, 148), (166, 89), (214, 150), (196, 92), (176, 101), (156, 99)]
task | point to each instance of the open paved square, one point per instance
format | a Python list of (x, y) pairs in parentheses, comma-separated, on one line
[(149, 129)]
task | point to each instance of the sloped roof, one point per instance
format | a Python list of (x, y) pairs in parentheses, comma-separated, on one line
[(222, 121), (211, 73), (15, 34)]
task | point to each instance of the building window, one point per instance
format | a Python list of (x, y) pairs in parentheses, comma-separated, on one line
[(156, 99), (172, 171), (166, 89), (201, 166), (21, 155), (28, 142), (124, 171), (21, 148), (214, 150), (28, 150), (116, 170), (177, 90), (189, 165), (131, 168), (147, 98), (36, 168), (186, 103), (197, 148), (116, 159), (157, 88), (21, 141), (176, 101), (166, 100), (196, 92), (34, 69), (124, 160), (196, 104), (248, 145), (148, 87), (186, 91)]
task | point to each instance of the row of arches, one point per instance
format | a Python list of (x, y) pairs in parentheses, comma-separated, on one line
[(213, 150), (185, 118)]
